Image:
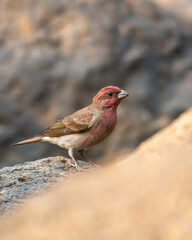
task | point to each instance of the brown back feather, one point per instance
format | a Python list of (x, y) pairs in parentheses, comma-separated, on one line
[(75, 123)]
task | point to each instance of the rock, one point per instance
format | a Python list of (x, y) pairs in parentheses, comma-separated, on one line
[(31, 178), (178, 7), (147, 196), (174, 105), (56, 55)]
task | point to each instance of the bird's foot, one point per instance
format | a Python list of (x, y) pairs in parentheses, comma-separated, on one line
[(74, 164), (70, 162), (78, 168)]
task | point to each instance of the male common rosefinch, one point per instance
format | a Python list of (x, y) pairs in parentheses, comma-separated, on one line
[(86, 127)]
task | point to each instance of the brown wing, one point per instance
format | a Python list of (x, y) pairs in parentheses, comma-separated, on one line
[(80, 121)]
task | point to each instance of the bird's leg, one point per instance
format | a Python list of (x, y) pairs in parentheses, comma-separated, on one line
[(82, 152), (70, 152)]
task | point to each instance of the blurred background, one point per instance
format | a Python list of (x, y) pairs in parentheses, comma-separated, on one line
[(56, 55)]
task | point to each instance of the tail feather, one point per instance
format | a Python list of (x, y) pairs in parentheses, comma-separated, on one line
[(30, 140)]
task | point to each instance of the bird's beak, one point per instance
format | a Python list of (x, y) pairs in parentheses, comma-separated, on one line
[(122, 94)]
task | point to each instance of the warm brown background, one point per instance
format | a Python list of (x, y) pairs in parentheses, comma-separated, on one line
[(55, 55)]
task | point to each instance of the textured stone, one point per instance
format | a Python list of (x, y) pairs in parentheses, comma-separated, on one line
[(30, 178)]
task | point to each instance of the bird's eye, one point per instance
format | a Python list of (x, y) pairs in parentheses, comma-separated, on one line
[(110, 94)]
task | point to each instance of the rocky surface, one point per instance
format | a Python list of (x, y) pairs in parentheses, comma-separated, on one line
[(55, 55), (148, 196), (21, 181), (183, 8)]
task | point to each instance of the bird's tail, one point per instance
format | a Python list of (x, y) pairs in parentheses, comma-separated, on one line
[(30, 140)]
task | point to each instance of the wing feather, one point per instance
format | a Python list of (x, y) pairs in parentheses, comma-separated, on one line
[(80, 121)]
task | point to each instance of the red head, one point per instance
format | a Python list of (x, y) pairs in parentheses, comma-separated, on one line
[(109, 97)]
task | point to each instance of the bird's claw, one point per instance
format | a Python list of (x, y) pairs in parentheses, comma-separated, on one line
[(78, 168), (75, 164), (84, 168)]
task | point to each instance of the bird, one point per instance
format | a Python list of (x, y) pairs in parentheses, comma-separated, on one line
[(86, 127)]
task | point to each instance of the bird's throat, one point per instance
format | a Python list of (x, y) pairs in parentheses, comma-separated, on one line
[(110, 119)]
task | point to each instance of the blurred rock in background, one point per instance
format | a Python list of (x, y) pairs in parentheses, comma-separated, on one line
[(183, 8), (56, 55)]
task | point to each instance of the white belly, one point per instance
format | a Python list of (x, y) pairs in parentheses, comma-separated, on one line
[(67, 141), (77, 141)]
